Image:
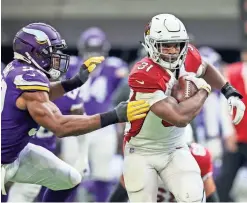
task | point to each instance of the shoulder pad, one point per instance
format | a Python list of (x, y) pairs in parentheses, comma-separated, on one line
[(31, 79), (193, 60), (148, 77)]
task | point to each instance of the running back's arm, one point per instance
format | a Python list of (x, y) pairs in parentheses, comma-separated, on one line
[(179, 114), (213, 77)]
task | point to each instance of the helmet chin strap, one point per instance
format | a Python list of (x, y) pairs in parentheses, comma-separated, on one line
[(54, 74), (145, 47)]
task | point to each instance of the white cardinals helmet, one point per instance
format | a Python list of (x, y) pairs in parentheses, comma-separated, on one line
[(164, 31)]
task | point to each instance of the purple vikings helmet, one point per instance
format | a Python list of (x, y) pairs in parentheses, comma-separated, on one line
[(93, 42), (39, 44)]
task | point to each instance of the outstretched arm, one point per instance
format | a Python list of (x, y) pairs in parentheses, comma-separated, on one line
[(47, 114)]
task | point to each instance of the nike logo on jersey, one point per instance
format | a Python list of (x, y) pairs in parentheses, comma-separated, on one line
[(140, 82)]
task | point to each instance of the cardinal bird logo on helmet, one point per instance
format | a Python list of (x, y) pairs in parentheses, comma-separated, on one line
[(147, 29)]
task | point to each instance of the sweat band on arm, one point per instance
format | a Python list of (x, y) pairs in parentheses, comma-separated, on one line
[(71, 84), (229, 91), (108, 118)]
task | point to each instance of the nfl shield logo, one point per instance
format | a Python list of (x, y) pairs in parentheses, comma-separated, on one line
[(131, 150)]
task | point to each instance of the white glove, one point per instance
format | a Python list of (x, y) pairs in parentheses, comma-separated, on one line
[(240, 108), (199, 82)]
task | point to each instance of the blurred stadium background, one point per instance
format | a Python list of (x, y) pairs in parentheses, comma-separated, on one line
[(220, 24), (213, 23)]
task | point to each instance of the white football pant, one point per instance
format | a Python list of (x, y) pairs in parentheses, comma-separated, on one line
[(36, 165), (178, 170), (23, 192)]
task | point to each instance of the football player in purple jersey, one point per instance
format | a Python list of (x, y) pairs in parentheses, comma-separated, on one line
[(27, 96), (69, 104)]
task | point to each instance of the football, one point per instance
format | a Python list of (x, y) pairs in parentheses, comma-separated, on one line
[(183, 90)]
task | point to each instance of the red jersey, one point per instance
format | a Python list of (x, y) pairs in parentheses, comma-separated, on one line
[(149, 77), (237, 75), (155, 77)]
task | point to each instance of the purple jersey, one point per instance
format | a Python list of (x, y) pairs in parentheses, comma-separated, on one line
[(98, 90), (69, 102), (17, 125)]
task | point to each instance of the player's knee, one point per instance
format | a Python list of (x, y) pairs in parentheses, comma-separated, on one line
[(196, 195), (192, 191), (75, 177)]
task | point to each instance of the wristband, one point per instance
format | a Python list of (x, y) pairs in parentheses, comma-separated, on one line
[(71, 84), (229, 91), (108, 118)]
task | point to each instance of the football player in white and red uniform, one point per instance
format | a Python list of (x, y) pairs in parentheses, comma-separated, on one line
[(204, 161), (155, 146)]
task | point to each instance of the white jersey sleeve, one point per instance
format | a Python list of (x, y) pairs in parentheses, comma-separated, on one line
[(151, 98)]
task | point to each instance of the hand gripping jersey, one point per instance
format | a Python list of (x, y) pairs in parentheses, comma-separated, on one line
[(153, 83), (204, 160), (17, 125), (69, 102), (98, 90)]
